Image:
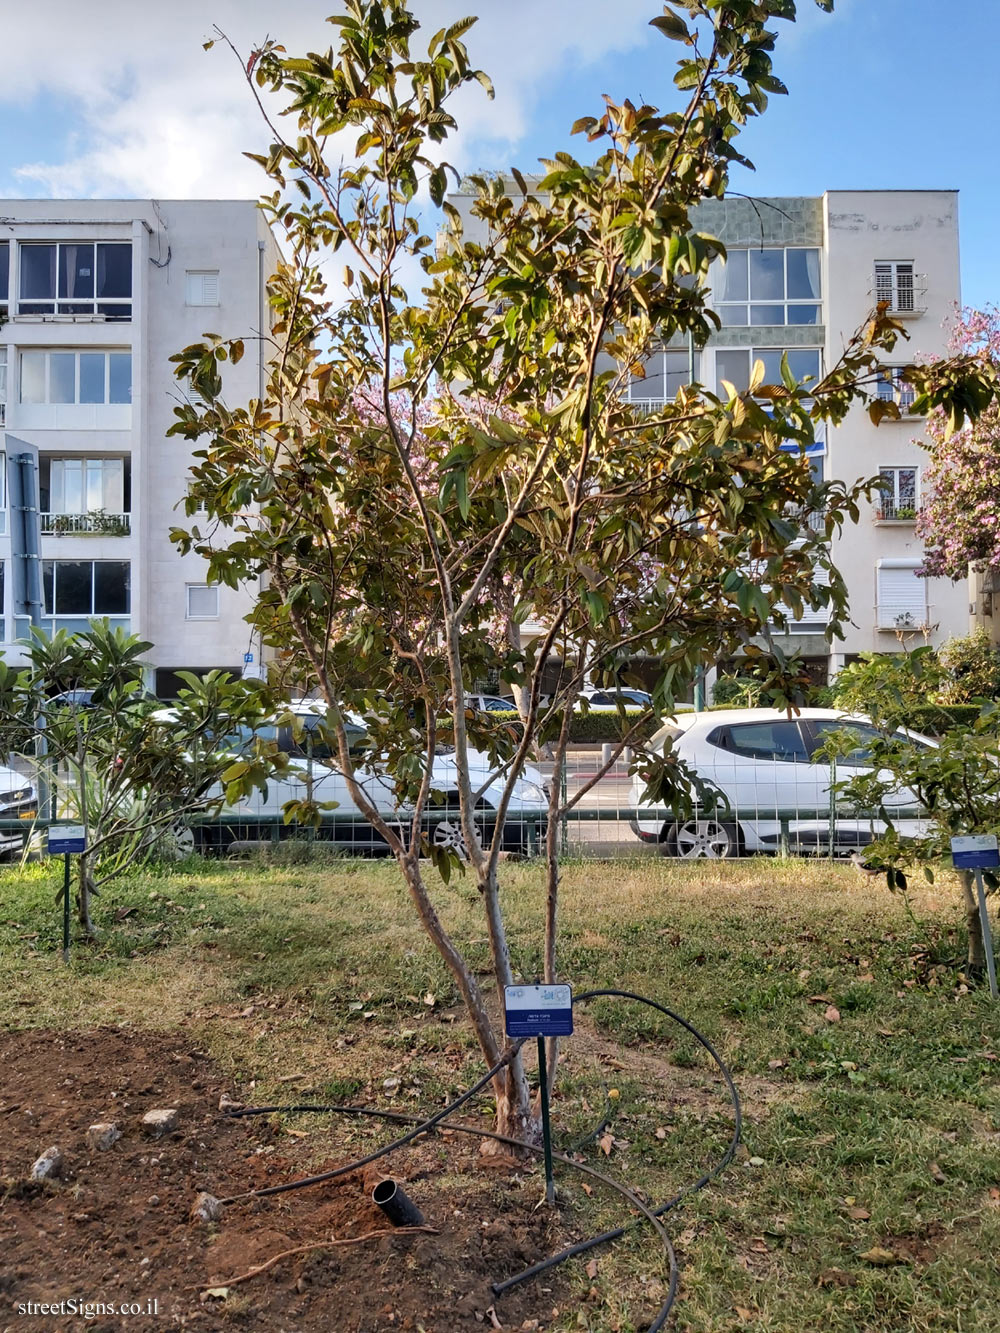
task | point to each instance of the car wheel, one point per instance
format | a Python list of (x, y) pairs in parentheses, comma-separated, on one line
[(447, 834), (698, 838)]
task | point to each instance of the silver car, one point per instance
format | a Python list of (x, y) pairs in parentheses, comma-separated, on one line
[(316, 776)]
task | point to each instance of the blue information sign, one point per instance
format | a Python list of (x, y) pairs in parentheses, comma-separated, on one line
[(538, 1011), (247, 657), (67, 838), (977, 851)]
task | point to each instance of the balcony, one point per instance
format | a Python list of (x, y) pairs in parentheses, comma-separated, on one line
[(888, 510), (812, 519), (648, 407), (902, 292), (94, 523), (898, 618)]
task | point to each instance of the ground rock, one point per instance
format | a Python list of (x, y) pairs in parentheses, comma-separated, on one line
[(49, 1166), (102, 1136), (160, 1122), (206, 1208)]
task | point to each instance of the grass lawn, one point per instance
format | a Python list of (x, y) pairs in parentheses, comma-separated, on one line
[(868, 1193)]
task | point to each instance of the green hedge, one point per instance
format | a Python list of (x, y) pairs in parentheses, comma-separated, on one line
[(936, 719), (594, 728)]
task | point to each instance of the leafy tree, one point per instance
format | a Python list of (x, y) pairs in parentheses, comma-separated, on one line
[(387, 538), (960, 514), (956, 782), (122, 765)]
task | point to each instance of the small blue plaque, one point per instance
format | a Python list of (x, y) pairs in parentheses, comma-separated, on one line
[(247, 658), (976, 851), (538, 1011), (67, 838)]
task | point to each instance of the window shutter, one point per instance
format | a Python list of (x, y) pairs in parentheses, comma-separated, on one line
[(818, 617), (902, 597), (202, 286), (883, 283), (202, 601), (904, 287)]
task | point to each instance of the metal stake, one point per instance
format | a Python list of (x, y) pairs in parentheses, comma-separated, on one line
[(984, 918), (65, 948), (543, 1092)]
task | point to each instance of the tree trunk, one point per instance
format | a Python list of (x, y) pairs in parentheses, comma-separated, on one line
[(84, 888), (516, 1115), (976, 963), (510, 1086)]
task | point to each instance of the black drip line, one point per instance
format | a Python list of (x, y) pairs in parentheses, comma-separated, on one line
[(442, 1119)]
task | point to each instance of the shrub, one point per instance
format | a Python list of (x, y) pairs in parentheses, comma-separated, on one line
[(595, 728), (972, 667), (889, 687), (937, 719), (736, 691)]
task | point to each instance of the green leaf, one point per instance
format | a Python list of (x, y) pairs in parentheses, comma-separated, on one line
[(671, 25)]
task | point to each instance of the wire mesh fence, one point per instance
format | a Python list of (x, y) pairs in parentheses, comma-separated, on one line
[(776, 807)]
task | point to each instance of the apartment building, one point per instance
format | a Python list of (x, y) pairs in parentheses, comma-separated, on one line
[(95, 296), (802, 275)]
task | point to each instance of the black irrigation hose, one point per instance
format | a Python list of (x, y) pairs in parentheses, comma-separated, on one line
[(440, 1120), (573, 1250), (424, 1127)]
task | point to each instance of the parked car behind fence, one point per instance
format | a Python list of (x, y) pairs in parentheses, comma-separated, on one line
[(773, 778)]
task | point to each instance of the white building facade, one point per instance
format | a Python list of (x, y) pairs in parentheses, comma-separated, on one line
[(802, 275), (96, 296)]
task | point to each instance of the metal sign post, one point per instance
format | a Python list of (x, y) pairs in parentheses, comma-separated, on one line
[(541, 1011), (66, 839), (979, 852)]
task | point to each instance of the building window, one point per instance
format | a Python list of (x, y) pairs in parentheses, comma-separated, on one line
[(665, 371), (3, 385), (76, 377), (895, 285), (202, 601), (202, 286), (755, 287), (735, 364), (86, 587), (88, 279), (892, 389), (85, 495), (902, 597), (4, 276), (898, 493)]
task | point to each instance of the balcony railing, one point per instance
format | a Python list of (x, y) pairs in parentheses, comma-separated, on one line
[(904, 293), (95, 523), (648, 407), (895, 511), (903, 619)]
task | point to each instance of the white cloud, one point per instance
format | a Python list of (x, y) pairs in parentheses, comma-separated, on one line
[(155, 115)]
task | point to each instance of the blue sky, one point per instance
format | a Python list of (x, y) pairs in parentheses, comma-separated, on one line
[(883, 94)]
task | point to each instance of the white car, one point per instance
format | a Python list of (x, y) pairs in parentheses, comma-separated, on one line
[(604, 701), (774, 788), (317, 777), (18, 800)]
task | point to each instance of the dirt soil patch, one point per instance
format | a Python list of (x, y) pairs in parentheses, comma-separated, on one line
[(116, 1226)]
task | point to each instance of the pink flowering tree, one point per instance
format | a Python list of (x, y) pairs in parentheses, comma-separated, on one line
[(960, 514)]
